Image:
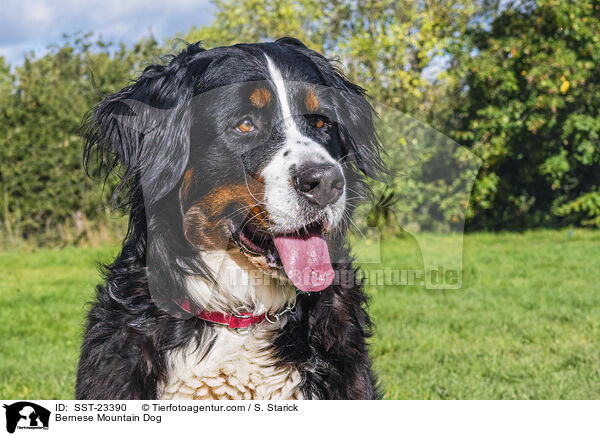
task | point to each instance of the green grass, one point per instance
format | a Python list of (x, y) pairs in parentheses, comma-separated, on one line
[(42, 307), (526, 323)]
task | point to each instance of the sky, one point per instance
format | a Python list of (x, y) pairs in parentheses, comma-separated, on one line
[(27, 25)]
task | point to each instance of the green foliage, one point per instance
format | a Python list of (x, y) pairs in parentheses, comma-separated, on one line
[(383, 45), (433, 175), (586, 206), (531, 112), (42, 105), (522, 91), (380, 215)]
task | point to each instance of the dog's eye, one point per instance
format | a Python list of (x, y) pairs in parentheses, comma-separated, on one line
[(245, 126), (319, 123)]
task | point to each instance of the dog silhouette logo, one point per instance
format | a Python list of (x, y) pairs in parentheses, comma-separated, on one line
[(26, 415)]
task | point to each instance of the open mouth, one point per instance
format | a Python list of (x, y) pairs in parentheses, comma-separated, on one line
[(303, 254), (254, 241)]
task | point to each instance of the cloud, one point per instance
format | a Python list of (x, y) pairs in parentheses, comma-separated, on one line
[(35, 24)]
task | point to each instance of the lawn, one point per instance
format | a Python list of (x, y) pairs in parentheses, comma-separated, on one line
[(526, 323)]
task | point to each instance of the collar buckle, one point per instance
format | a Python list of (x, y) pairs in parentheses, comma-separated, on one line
[(290, 308)]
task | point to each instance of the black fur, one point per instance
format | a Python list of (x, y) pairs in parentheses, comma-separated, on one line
[(129, 332)]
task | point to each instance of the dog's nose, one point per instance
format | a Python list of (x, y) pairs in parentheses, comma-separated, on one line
[(321, 184)]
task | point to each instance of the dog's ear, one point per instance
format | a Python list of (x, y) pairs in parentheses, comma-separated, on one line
[(143, 130), (288, 40), (356, 129)]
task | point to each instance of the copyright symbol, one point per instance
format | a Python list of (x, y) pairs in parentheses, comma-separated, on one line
[(145, 407)]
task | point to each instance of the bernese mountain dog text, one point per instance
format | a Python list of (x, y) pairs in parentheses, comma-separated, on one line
[(240, 167)]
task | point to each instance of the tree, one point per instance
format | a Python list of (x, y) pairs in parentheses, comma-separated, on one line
[(530, 83), (42, 105), (383, 45)]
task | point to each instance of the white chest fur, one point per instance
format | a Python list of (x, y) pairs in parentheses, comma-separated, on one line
[(235, 367), (227, 364)]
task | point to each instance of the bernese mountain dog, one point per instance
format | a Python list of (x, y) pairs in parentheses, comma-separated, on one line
[(240, 168)]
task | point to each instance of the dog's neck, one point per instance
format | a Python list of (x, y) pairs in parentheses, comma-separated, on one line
[(240, 286)]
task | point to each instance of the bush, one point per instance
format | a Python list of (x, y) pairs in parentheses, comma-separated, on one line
[(531, 83), (42, 105)]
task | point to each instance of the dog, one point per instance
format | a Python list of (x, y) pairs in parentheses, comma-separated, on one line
[(240, 168)]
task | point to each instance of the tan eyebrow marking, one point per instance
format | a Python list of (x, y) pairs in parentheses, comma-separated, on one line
[(311, 101), (260, 97)]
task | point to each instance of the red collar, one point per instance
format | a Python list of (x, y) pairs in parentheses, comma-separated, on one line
[(233, 320)]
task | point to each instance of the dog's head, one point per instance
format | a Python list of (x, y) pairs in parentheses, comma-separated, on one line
[(258, 149)]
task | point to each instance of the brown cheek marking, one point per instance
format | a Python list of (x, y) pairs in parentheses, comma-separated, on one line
[(187, 182), (203, 223), (311, 101), (201, 231), (260, 97)]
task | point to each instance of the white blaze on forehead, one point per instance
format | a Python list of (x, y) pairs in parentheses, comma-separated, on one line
[(290, 127), (286, 213)]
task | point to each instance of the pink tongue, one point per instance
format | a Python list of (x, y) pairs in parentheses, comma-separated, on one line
[(306, 260)]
